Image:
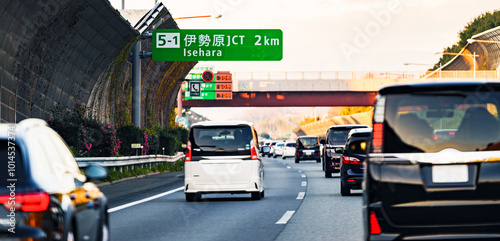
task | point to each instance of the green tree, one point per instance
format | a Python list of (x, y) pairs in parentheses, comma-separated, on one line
[(480, 24)]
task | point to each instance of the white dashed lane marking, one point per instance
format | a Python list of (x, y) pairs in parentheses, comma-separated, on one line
[(286, 217), (301, 195)]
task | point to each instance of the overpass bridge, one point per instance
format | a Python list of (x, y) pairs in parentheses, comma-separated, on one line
[(322, 88)]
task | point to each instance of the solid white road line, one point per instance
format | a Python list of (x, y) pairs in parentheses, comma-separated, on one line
[(288, 167), (301, 195), (304, 184), (144, 200), (286, 217)]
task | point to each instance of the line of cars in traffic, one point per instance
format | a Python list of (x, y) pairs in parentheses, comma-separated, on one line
[(430, 166), (343, 151)]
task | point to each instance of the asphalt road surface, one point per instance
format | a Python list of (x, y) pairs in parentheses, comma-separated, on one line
[(299, 204)]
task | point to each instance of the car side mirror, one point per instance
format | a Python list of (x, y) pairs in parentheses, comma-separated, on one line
[(95, 172)]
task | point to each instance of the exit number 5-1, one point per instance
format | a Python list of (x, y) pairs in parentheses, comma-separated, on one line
[(168, 40)]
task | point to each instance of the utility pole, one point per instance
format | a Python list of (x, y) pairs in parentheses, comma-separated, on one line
[(136, 84)]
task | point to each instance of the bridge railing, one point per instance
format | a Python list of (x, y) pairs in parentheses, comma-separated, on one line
[(337, 75), (342, 80), (329, 75)]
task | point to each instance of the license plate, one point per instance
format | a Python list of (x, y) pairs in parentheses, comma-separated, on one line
[(308, 152), (450, 173)]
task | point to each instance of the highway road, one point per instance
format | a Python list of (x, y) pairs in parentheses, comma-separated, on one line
[(299, 204)]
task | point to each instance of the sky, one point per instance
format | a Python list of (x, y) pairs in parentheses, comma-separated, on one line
[(336, 35)]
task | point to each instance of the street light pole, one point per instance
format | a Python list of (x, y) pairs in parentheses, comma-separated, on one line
[(136, 85), (474, 65)]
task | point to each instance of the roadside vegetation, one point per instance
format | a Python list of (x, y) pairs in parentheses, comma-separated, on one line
[(480, 24), (89, 138)]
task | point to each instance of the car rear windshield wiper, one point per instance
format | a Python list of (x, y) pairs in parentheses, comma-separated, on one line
[(206, 146), (445, 93)]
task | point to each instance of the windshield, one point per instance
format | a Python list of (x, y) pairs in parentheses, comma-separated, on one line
[(433, 122), (308, 142), (231, 140)]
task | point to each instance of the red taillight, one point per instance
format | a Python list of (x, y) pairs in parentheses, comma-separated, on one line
[(351, 160), (374, 225), (378, 135), (29, 202), (253, 151), (188, 151)]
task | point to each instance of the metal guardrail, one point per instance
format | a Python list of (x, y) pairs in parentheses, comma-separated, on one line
[(120, 162)]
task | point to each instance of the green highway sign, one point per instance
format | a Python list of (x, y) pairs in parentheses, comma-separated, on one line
[(203, 86), (217, 44), (203, 96), (193, 76)]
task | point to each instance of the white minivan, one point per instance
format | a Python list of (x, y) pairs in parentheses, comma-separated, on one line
[(223, 157)]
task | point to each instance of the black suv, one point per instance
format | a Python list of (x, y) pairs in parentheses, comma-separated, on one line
[(353, 157), (307, 148), (421, 185), (333, 147)]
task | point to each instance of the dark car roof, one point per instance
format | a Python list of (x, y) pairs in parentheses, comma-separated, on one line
[(466, 85), (347, 126), (360, 132)]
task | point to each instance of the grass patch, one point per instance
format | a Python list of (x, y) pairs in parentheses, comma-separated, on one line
[(114, 174)]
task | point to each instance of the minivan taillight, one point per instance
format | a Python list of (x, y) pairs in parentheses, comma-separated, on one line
[(253, 151), (378, 136), (188, 151), (351, 160), (28, 202), (374, 225)]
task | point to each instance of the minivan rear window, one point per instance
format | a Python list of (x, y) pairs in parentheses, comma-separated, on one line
[(338, 136), (308, 142), (431, 122), (358, 145), (221, 140)]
